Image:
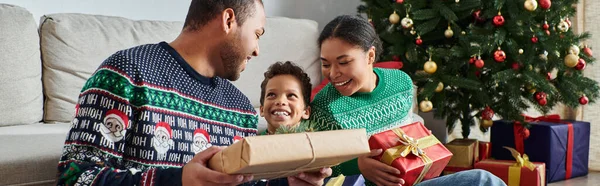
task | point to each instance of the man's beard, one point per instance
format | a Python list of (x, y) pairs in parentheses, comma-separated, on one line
[(233, 57)]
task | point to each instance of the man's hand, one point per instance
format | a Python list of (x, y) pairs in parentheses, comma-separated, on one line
[(310, 178), (195, 172), (378, 172)]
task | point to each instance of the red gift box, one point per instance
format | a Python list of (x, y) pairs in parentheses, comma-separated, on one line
[(485, 150), (413, 150), (516, 173)]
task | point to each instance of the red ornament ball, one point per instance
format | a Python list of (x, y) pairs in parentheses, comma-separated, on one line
[(487, 113), (479, 63), (588, 51), (516, 66), (498, 20), (546, 26), (477, 16), (543, 102), (419, 41), (580, 64), (525, 133), (534, 39), (583, 100), (548, 76), (540, 95), (400, 1), (499, 56), (545, 4), (395, 58), (547, 32), (472, 60)]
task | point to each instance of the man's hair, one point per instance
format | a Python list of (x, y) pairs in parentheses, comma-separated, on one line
[(202, 11), (287, 68)]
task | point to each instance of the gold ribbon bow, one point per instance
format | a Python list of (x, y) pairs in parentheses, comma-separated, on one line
[(411, 146), (514, 171)]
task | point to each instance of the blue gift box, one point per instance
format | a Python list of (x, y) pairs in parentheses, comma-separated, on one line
[(547, 143), (354, 180)]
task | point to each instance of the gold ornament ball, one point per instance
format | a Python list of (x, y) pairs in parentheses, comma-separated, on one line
[(407, 22), (574, 49), (487, 123), (563, 26), (430, 67), (531, 5), (457, 1), (571, 60), (439, 87), (521, 51), (463, 32), (425, 106), (394, 18), (449, 33)]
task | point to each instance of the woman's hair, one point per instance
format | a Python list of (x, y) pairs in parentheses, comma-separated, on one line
[(354, 30)]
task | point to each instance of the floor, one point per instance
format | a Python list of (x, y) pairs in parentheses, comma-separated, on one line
[(593, 178)]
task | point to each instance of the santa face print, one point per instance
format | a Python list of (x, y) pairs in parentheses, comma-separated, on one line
[(113, 129), (200, 144), (161, 141)]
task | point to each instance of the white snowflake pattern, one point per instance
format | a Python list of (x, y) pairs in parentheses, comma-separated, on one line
[(85, 179)]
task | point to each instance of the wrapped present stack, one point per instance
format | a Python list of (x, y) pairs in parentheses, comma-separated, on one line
[(485, 150), (413, 150), (277, 156), (562, 145), (517, 172), (466, 153)]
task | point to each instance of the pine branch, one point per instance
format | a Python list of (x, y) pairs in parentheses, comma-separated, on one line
[(424, 14), (428, 26), (445, 11)]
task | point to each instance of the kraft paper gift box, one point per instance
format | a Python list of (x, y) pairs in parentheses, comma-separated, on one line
[(277, 156), (413, 150), (466, 153)]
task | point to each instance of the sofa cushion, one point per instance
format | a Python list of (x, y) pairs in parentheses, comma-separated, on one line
[(30, 153), (74, 45), (285, 39), (21, 98)]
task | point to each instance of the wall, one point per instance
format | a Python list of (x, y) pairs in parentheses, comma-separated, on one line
[(321, 11)]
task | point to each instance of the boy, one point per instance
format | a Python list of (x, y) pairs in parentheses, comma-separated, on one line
[(285, 94)]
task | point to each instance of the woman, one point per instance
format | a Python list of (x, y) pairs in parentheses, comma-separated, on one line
[(360, 96)]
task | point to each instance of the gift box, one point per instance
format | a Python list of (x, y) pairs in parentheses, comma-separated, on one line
[(413, 150), (521, 172), (277, 156), (341, 180), (465, 154), (563, 145), (485, 150)]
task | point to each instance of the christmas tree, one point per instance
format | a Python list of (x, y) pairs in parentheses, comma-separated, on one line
[(476, 58)]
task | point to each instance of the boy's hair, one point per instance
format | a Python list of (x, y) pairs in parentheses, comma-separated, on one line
[(202, 11), (287, 68)]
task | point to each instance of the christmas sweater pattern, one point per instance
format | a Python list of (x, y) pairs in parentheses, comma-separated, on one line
[(144, 114), (386, 107)]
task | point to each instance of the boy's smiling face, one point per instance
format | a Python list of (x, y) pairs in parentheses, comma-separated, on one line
[(283, 102)]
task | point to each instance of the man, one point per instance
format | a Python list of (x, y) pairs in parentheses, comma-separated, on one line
[(160, 94)]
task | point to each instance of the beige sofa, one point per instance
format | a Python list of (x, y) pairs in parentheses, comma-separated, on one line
[(44, 68)]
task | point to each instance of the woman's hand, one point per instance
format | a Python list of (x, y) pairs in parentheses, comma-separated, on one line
[(378, 172)]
